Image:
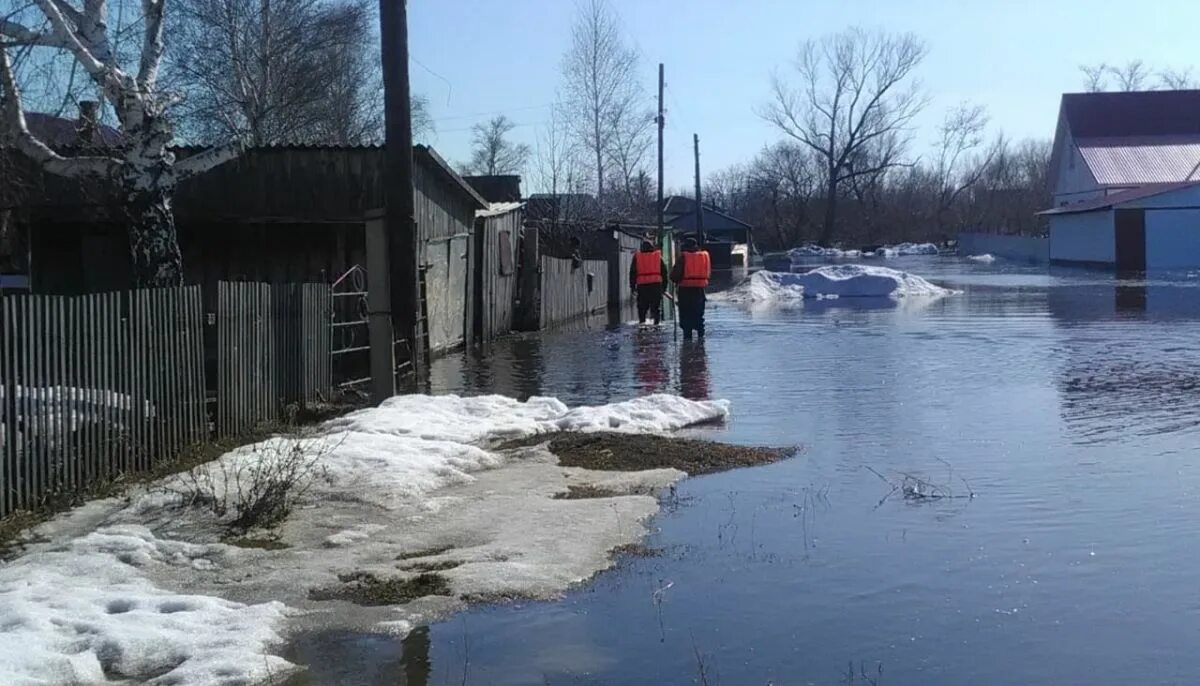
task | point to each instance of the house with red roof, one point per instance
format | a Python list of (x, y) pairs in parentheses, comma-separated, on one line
[(1125, 172)]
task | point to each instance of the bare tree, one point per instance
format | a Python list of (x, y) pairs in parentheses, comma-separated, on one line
[(961, 134), (630, 128), (422, 121), (1177, 79), (142, 166), (851, 93), (1132, 76), (1095, 77), (277, 70), (492, 152), (600, 84)]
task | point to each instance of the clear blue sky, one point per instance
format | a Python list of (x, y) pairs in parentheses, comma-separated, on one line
[(1014, 56)]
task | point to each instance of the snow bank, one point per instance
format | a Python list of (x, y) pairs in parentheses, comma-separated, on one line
[(84, 613), (833, 281), (101, 607), (858, 280), (906, 249), (984, 259), (810, 251)]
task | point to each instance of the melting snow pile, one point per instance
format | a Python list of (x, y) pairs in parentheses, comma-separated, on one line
[(863, 281), (810, 251), (906, 249), (833, 281), (984, 259), (100, 607), (84, 613)]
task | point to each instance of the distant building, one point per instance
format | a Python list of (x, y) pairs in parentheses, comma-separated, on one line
[(729, 239), (1125, 175)]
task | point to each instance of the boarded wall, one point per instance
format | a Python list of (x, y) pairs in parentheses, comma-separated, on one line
[(569, 292), (446, 288), (497, 246)]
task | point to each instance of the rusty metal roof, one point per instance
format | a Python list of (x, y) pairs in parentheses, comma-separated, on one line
[(1137, 160)]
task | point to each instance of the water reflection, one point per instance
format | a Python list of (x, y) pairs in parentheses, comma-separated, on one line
[(650, 364), (694, 383)]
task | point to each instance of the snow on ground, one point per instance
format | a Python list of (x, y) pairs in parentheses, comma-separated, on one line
[(984, 259), (810, 251), (832, 281), (137, 591)]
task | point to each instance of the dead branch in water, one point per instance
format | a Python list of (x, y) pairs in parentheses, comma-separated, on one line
[(919, 489)]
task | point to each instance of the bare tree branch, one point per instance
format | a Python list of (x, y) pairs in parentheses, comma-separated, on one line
[(210, 158)]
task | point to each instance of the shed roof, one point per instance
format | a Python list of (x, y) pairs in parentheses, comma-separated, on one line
[(429, 154), (1115, 199), (498, 208), (1139, 113)]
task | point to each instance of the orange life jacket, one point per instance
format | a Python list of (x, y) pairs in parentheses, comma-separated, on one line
[(649, 267), (697, 268)]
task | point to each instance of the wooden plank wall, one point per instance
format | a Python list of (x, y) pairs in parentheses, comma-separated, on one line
[(94, 387), (569, 292), (497, 292)]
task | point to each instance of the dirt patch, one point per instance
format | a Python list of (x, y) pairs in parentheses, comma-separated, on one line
[(256, 542), (363, 588), (432, 566), (634, 550), (631, 452), (585, 492), (428, 552)]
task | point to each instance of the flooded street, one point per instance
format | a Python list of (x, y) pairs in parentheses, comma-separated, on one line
[(1067, 402)]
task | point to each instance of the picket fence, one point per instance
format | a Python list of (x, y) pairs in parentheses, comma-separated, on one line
[(96, 387)]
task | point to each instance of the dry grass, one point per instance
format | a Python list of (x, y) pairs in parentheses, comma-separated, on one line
[(364, 588), (632, 452)]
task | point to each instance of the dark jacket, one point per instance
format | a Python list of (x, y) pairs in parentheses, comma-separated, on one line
[(647, 246)]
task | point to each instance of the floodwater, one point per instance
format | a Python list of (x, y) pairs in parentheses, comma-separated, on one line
[(1067, 402)]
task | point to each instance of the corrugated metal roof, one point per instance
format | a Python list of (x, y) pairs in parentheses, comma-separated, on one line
[(1109, 201), (1136, 160), (498, 208)]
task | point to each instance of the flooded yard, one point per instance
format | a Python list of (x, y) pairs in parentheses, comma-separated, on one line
[(1065, 401)]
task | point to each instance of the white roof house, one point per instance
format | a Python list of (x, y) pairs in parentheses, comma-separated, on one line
[(1125, 172)]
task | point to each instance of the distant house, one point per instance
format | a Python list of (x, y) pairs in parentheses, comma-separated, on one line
[(1125, 175), (497, 187), (729, 239)]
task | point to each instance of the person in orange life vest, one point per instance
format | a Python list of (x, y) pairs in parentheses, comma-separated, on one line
[(647, 276), (691, 274)]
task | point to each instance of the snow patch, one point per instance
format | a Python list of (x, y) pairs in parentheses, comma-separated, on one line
[(833, 281), (85, 613), (907, 249), (984, 259)]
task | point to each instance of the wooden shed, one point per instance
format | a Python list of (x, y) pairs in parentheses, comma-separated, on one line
[(498, 233)]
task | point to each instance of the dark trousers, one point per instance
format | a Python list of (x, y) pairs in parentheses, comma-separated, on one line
[(691, 310), (649, 299)]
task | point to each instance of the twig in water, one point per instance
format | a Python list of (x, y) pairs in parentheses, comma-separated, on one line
[(660, 595), (701, 667)]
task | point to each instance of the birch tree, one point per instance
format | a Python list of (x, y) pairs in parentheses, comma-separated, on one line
[(600, 84), (142, 167), (276, 70), (852, 91), (957, 169)]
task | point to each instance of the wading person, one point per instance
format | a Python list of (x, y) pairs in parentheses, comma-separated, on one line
[(647, 275), (691, 274)]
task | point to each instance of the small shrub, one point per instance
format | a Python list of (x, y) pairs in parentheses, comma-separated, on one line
[(256, 487)]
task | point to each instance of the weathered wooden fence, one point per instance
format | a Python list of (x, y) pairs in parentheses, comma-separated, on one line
[(95, 386), (569, 291), (273, 349)]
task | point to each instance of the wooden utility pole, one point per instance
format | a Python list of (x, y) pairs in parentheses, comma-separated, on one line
[(661, 122), (699, 202), (403, 304)]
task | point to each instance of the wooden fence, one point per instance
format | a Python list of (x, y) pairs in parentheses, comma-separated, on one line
[(96, 386), (273, 349), (569, 292)]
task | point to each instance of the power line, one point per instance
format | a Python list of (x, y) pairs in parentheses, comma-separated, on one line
[(449, 86), (489, 113)]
